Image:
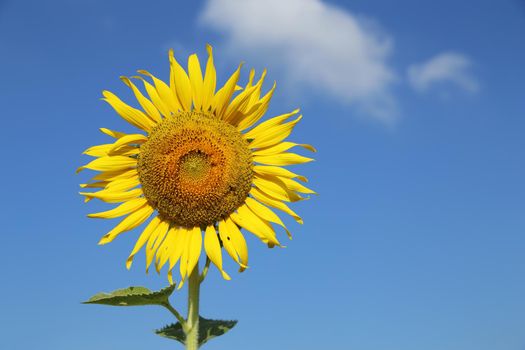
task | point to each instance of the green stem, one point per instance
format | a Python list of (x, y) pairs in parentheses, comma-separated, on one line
[(192, 332), (179, 317)]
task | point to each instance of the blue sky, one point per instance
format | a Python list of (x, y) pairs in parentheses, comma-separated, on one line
[(417, 110)]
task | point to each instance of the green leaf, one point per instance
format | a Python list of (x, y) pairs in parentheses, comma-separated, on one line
[(133, 296), (173, 331), (208, 329)]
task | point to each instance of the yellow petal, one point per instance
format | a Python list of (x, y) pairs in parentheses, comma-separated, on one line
[(128, 113), (194, 249), (270, 123), (251, 106), (257, 114), (295, 186), (114, 134), (144, 236), (223, 96), (123, 209), (165, 249), (250, 78), (100, 184), (265, 213), (210, 81), (115, 175), (147, 105), (180, 83), (122, 185), (280, 148), (183, 263), (282, 159), (251, 222), (275, 188), (155, 240), (212, 247), (234, 110), (238, 242), (224, 233), (277, 171), (98, 150), (125, 151), (110, 164), (128, 139), (179, 239), (274, 203), (153, 94), (130, 222), (254, 99), (165, 93), (196, 80), (273, 135), (114, 197)]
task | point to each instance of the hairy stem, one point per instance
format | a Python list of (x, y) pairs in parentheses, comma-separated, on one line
[(192, 332)]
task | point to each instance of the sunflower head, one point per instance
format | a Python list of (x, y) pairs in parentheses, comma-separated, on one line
[(200, 166), (195, 169)]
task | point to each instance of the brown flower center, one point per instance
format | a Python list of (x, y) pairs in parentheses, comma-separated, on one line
[(195, 169)]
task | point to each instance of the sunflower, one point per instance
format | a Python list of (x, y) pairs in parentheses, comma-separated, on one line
[(199, 167)]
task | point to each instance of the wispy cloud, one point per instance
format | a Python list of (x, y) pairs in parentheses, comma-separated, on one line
[(445, 68), (315, 45)]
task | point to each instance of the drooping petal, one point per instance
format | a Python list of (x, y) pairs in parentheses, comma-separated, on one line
[(194, 249), (144, 236), (251, 222), (177, 245), (212, 247), (226, 240), (183, 263), (130, 222), (155, 240), (274, 203), (266, 213), (163, 253), (238, 242)]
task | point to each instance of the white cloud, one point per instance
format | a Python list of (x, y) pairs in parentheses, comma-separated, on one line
[(448, 67), (314, 44)]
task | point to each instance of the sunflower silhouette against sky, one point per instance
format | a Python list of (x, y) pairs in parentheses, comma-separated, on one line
[(199, 165)]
